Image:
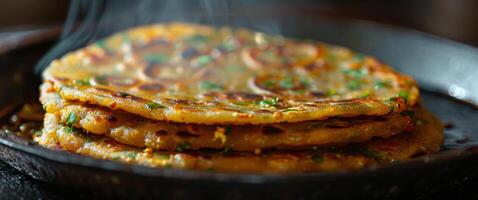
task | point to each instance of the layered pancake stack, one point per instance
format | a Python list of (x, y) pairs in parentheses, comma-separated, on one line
[(229, 99)]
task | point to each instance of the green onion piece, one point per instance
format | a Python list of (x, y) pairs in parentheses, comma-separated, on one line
[(153, 105), (206, 85), (318, 157), (82, 82), (197, 39), (71, 119), (156, 58), (381, 84), (269, 83), (269, 102), (287, 83), (69, 129), (356, 73), (203, 60), (354, 85), (183, 146), (164, 156), (404, 94)]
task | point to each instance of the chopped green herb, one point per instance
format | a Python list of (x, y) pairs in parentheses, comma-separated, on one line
[(269, 83), (287, 83), (206, 85), (227, 150), (37, 132), (123, 94), (69, 129), (229, 45), (331, 92), (211, 169), (289, 110), (364, 151), (101, 80), (365, 94), (407, 113), (318, 157), (183, 146), (82, 82), (197, 39), (381, 84), (354, 85), (125, 38), (156, 58), (359, 57), (120, 154), (269, 102), (101, 44), (404, 94), (267, 55), (305, 82), (227, 130), (153, 105), (71, 119), (203, 60), (164, 156), (356, 73), (168, 165)]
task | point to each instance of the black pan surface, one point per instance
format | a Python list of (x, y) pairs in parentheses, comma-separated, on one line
[(445, 70)]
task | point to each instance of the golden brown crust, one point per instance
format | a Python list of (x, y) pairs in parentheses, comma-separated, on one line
[(199, 74), (425, 140), (133, 130)]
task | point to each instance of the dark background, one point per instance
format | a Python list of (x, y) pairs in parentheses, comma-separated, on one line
[(453, 19)]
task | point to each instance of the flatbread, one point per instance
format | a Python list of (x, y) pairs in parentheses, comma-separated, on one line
[(425, 140), (199, 74), (133, 130)]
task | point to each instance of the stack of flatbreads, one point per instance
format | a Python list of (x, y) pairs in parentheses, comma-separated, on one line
[(229, 99)]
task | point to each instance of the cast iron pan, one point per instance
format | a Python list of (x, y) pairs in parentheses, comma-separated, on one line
[(446, 71)]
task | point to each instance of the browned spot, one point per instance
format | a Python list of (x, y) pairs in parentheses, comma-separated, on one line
[(161, 132), (111, 119), (112, 105), (318, 94), (243, 96), (271, 130), (186, 134), (263, 111), (152, 87), (60, 79)]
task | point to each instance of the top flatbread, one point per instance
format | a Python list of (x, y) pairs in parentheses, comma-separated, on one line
[(200, 74)]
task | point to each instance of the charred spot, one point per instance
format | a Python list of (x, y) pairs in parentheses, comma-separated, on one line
[(115, 81), (185, 134), (418, 154), (318, 94), (153, 70), (263, 111), (211, 94), (380, 119), (180, 101), (161, 132), (111, 119), (338, 125), (122, 94), (154, 43), (241, 96), (104, 90), (189, 53), (152, 87), (60, 79), (271, 130)]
